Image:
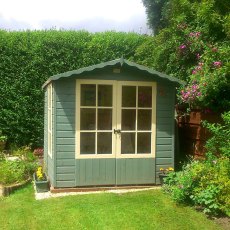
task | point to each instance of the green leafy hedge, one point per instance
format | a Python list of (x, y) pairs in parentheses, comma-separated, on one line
[(29, 58)]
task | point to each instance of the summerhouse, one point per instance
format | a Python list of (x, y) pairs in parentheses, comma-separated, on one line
[(109, 124)]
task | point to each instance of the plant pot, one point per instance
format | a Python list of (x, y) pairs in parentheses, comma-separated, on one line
[(41, 185), (161, 177)]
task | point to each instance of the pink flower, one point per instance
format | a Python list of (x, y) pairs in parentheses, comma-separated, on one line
[(194, 71), (182, 47), (217, 63), (194, 34), (198, 56)]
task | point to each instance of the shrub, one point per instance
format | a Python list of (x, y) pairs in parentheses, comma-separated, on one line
[(16, 171), (219, 143), (12, 172), (29, 58), (205, 184)]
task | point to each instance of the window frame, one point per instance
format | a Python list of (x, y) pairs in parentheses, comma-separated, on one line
[(50, 119)]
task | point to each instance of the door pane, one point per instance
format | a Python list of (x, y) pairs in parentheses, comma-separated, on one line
[(145, 96), (144, 119), (144, 143), (104, 119), (128, 96), (88, 119), (128, 143), (105, 97), (88, 95), (128, 120), (104, 143), (87, 143)]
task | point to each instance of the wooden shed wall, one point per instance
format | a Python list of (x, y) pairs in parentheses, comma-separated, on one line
[(49, 162), (65, 132), (165, 128)]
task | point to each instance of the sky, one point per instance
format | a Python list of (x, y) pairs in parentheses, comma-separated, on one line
[(90, 15)]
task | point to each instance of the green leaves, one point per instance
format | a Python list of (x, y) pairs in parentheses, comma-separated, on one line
[(205, 184), (29, 58)]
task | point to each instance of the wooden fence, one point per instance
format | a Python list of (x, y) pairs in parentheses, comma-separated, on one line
[(192, 135)]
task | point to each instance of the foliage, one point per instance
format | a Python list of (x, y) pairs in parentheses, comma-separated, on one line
[(12, 172), (204, 184), (38, 152), (192, 45), (15, 171), (29, 58), (154, 10), (2, 137), (219, 143)]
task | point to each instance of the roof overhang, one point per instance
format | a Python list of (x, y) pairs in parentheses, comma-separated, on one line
[(122, 62)]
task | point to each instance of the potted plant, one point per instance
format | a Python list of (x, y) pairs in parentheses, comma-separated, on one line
[(41, 180), (38, 152), (3, 140), (164, 173)]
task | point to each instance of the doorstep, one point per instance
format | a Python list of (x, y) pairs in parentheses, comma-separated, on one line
[(59, 192), (100, 188)]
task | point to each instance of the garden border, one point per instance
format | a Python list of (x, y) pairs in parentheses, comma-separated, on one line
[(7, 190)]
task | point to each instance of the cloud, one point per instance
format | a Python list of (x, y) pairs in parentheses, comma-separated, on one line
[(13, 24), (89, 15), (99, 24)]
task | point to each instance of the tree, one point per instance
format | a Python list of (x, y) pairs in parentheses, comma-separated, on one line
[(191, 43), (154, 9)]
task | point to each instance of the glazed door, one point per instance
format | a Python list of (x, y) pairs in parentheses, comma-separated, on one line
[(135, 119), (96, 119), (135, 155), (116, 131)]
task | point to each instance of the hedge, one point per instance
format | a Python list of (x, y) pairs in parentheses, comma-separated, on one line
[(29, 58)]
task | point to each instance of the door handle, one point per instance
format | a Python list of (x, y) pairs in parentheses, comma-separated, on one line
[(117, 131)]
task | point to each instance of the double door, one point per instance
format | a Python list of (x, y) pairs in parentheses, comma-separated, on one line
[(116, 121)]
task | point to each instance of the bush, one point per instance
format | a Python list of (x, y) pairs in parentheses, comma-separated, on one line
[(219, 143), (205, 184), (12, 172), (16, 171)]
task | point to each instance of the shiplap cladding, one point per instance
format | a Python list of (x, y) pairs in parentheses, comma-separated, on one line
[(165, 127), (65, 132)]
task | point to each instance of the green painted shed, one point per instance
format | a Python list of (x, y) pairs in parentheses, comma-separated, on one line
[(108, 124)]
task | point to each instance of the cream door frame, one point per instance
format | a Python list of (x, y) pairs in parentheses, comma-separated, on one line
[(116, 120), (119, 110), (77, 118)]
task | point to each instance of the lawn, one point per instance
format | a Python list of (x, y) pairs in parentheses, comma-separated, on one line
[(139, 210)]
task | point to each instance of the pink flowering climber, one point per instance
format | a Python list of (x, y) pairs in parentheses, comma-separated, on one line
[(182, 47), (217, 64)]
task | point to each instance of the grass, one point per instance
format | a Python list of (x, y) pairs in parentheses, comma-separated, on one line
[(139, 210)]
